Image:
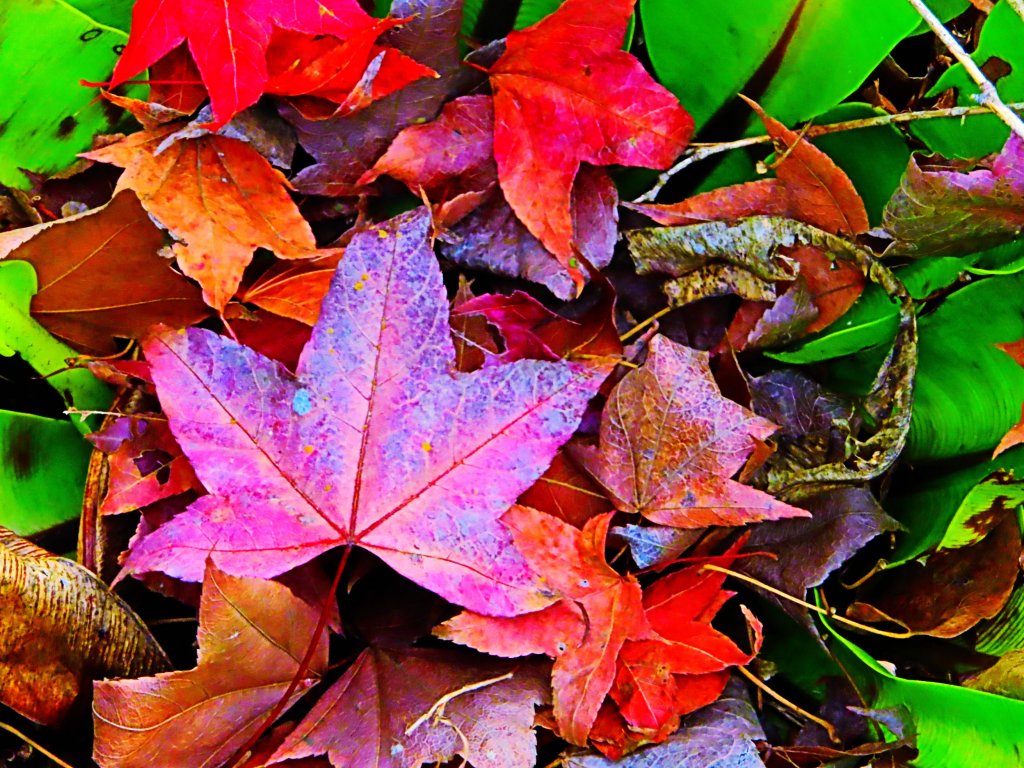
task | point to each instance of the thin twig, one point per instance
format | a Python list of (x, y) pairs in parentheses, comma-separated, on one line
[(829, 613), (698, 152), (34, 745), (829, 728), (988, 96), (439, 705)]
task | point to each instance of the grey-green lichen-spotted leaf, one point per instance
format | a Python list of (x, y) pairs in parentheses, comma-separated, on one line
[(48, 46)]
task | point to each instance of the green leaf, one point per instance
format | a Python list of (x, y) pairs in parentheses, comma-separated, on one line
[(1005, 631), (968, 392), (46, 116), (22, 335), (532, 11), (935, 505), (872, 321), (979, 135), (852, 36), (956, 727), (43, 463)]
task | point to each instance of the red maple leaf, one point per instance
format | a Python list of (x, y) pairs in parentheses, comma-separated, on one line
[(375, 442), (565, 93), (228, 40)]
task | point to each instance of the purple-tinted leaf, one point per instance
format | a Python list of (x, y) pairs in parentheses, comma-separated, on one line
[(384, 712), (654, 545), (345, 147), (720, 735), (950, 213), (492, 238), (807, 551), (374, 442)]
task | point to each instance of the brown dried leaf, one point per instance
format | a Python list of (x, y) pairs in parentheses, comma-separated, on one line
[(62, 627)]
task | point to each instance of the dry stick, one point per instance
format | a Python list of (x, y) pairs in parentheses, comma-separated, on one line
[(829, 613), (829, 728), (988, 96), (702, 151), (34, 745)]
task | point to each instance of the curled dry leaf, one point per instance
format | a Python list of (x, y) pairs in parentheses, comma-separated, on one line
[(218, 197), (670, 442), (252, 636), (62, 628), (100, 276), (937, 212)]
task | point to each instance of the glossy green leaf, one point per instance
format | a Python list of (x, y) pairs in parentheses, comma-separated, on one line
[(929, 504), (872, 321), (852, 36), (20, 334), (955, 727), (46, 116), (1005, 631), (979, 135), (968, 392), (43, 463)]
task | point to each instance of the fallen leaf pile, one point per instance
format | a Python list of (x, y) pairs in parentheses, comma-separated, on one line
[(384, 395)]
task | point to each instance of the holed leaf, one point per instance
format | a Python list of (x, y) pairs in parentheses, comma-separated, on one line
[(374, 443)]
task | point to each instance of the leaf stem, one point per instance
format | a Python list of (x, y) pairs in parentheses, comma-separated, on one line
[(640, 326), (829, 613), (698, 152), (34, 745), (282, 704), (761, 684), (988, 95)]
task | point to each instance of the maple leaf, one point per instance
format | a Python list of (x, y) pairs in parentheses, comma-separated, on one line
[(229, 40), (218, 197), (584, 631), (346, 146), (396, 708), (606, 636), (565, 93), (352, 73), (203, 715), (100, 276), (374, 443), (295, 289), (670, 443)]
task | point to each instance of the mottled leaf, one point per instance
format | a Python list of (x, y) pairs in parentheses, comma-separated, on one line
[(670, 443), (374, 443)]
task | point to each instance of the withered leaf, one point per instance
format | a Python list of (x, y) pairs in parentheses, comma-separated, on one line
[(62, 628)]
